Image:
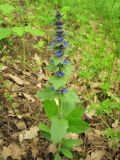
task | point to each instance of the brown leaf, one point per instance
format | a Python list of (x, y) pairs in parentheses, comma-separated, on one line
[(71, 136), (17, 80), (29, 97), (34, 147), (16, 151), (6, 152), (96, 155), (29, 134), (52, 149), (20, 125)]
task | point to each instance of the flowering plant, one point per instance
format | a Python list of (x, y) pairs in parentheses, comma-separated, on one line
[(60, 102)]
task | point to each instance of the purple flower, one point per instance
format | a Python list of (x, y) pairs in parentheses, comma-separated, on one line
[(58, 53), (64, 90), (65, 44), (65, 61), (59, 38), (51, 43), (60, 74), (59, 23)]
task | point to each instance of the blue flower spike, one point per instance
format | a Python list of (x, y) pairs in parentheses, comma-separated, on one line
[(60, 74), (65, 61), (65, 44), (60, 38), (59, 54)]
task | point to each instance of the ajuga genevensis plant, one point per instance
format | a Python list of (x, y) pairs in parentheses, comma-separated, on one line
[(61, 104)]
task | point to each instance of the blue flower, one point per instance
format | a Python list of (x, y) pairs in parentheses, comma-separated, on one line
[(51, 43), (65, 44), (59, 23), (60, 74), (65, 61), (60, 38), (64, 90), (58, 53)]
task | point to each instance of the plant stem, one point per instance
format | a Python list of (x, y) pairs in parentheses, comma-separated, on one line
[(60, 109)]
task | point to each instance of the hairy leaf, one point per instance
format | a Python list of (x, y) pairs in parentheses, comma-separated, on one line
[(57, 157), (50, 108), (58, 129), (77, 126), (70, 143), (66, 152), (46, 94)]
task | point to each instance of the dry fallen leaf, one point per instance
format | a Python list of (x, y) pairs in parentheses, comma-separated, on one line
[(34, 147), (52, 149), (6, 152), (14, 151), (17, 80), (72, 136), (30, 134), (96, 155), (116, 125), (29, 97), (20, 125), (95, 137)]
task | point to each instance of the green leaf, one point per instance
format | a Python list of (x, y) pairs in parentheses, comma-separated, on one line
[(44, 127), (70, 97), (58, 60), (67, 153), (58, 129), (77, 126), (34, 32), (70, 143), (46, 94), (19, 31), (50, 108), (57, 81), (6, 8), (67, 69), (5, 32), (57, 157), (67, 108), (77, 113), (45, 130)]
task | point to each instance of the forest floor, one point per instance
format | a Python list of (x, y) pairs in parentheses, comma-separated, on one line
[(21, 112)]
